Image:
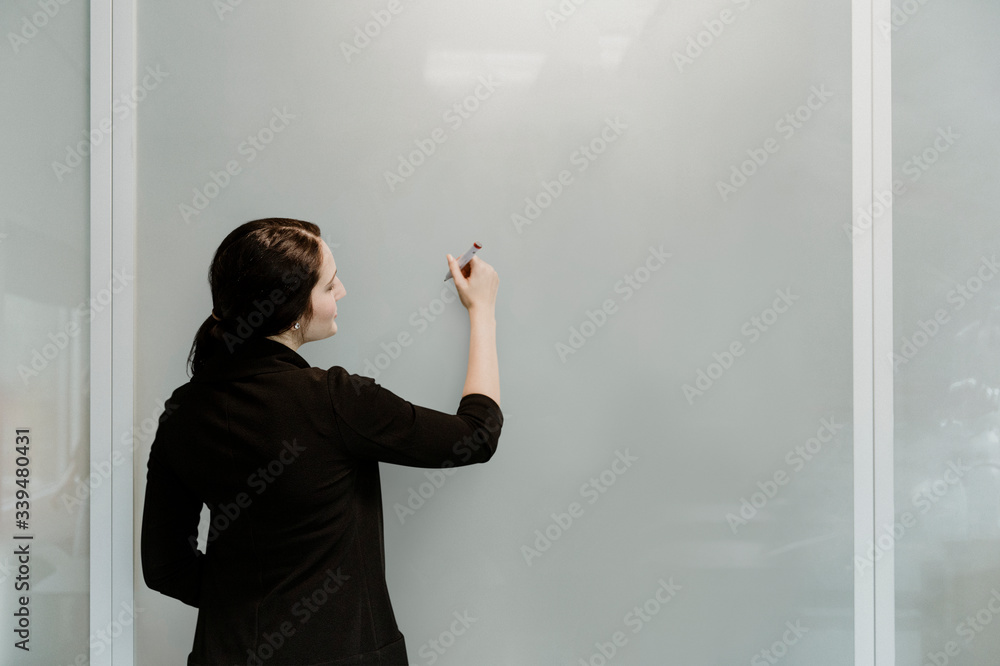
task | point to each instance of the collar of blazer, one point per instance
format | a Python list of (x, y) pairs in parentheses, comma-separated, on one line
[(250, 357)]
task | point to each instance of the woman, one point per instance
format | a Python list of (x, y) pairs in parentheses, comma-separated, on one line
[(286, 457)]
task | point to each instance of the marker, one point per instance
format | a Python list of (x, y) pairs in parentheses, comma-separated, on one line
[(465, 258)]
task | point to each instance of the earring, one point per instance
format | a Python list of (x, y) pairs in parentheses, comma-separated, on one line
[(296, 327)]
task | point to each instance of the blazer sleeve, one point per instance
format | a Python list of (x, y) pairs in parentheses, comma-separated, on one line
[(376, 424), (171, 561)]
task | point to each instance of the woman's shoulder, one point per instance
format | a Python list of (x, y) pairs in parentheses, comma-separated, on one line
[(342, 382)]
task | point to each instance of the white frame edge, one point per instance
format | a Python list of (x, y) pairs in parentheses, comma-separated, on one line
[(882, 343), (123, 222), (112, 238), (101, 428), (863, 324)]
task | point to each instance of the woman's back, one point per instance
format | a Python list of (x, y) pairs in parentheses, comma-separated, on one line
[(286, 457)]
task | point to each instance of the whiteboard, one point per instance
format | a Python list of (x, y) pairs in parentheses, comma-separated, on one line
[(665, 191)]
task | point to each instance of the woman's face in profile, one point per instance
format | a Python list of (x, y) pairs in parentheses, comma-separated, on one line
[(328, 290)]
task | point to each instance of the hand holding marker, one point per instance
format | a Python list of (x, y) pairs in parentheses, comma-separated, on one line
[(465, 259), (476, 284)]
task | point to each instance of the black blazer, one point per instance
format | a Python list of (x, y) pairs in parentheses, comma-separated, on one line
[(286, 457)]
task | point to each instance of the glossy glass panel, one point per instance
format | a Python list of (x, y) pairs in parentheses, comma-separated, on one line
[(46, 306), (665, 191), (946, 139)]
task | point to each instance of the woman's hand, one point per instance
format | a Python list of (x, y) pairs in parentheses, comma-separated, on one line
[(477, 283)]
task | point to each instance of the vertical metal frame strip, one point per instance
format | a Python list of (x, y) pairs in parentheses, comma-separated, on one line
[(112, 241), (100, 327), (882, 344), (862, 261), (123, 221)]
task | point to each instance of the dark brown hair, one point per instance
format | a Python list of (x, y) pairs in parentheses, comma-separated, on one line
[(261, 279)]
